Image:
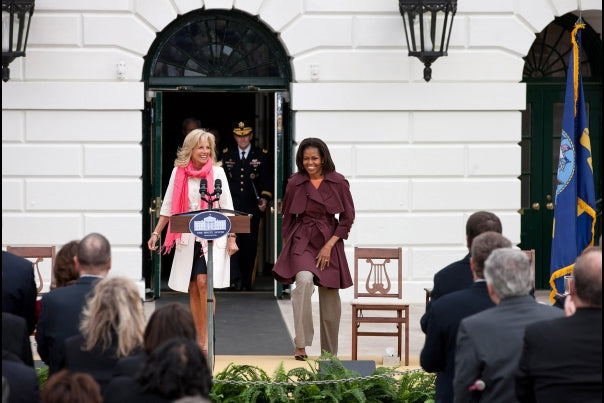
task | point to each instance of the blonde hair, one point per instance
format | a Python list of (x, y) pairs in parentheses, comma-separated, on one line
[(193, 140), (115, 310)]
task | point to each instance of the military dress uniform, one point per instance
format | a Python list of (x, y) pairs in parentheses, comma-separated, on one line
[(249, 180)]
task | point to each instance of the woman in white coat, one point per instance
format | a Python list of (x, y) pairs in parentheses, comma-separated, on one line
[(195, 160)]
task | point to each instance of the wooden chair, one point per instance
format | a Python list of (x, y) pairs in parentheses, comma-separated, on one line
[(381, 291), (530, 253), (428, 295), (39, 253)]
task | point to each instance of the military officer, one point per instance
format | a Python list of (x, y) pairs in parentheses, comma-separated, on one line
[(250, 178)]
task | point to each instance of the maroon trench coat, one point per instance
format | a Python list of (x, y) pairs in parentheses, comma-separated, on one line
[(308, 223)]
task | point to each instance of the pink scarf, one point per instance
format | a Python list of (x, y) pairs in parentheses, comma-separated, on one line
[(180, 195)]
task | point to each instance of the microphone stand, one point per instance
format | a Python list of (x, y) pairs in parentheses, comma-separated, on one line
[(211, 198)]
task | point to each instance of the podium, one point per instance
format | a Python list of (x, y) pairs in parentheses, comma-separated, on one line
[(240, 223)]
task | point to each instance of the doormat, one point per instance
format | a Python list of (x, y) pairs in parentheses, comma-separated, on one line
[(246, 323)]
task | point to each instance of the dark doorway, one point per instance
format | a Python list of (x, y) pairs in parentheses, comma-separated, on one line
[(219, 111)]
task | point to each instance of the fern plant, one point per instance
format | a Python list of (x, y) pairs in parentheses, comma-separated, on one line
[(331, 383)]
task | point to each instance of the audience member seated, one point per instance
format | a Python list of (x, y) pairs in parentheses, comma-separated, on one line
[(458, 275), (15, 338), (489, 343), (112, 327), (561, 359), (64, 271), (19, 291), (170, 321), (61, 308), (174, 370), (438, 354), (21, 380), (68, 387)]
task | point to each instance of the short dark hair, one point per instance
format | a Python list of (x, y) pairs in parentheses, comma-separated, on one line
[(167, 322), (94, 251), (483, 245), (186, 122), (328, 165), (479, 222), (76, 387), (175, 369), (587, 276)]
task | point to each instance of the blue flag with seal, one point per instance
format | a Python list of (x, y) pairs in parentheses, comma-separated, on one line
[(575, 203)]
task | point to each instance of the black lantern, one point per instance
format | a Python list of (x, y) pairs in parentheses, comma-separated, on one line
[(16, 17), (427, 29)]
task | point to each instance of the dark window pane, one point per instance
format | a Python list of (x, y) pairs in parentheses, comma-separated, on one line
[(215, 45)]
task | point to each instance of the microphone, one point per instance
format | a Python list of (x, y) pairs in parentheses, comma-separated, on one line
[(203, 187), (478, 385), (218, 188)]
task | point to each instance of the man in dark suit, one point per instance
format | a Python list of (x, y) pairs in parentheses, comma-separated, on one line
[(438, 354), (21, 379), (458, 275), (489, 343), (561, 359), (15, 338), (19, 290), (61, 308), (249, 173)]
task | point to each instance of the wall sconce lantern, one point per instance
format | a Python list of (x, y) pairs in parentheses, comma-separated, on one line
[(16, 18), (427, 29)]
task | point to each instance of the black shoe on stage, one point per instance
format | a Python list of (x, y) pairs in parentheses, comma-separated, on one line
[(235, 285)]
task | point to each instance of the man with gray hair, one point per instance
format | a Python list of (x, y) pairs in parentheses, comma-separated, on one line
[(60, 309), (489, 343), (562, 358)]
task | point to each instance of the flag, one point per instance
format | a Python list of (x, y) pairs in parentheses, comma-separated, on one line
[(575, 202)]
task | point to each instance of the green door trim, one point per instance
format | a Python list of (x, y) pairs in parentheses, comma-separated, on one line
[(207, 51)]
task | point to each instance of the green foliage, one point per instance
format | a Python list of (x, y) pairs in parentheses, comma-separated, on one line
[(42, 373), (331, 383)]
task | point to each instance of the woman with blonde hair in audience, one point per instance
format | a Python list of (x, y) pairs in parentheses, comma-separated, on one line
[(169, 321), (112, 327)]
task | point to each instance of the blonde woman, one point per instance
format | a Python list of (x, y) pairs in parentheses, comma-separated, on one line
[(195, 160), (112, 327)]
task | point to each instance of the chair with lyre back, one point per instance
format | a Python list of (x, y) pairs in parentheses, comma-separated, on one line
[(36, 254), (380, 291), (530, 253)]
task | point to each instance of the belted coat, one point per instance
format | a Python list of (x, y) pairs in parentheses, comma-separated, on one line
[(309, 221)]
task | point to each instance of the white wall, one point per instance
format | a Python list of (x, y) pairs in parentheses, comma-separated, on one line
[(420, 157)]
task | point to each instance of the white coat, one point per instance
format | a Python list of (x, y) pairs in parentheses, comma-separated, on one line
[(180, 273)]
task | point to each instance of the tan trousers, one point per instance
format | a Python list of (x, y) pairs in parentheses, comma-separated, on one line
[(330, 311)]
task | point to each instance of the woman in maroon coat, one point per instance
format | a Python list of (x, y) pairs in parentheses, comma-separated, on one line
[(313, 246)]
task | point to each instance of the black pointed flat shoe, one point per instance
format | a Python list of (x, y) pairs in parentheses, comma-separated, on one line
[(301, 357)]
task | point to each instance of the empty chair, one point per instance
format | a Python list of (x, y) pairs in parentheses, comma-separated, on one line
[(378, 290), (530, 253), (39, 253)]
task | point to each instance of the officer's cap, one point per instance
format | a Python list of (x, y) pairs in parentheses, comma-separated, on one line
[(242, 128)]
